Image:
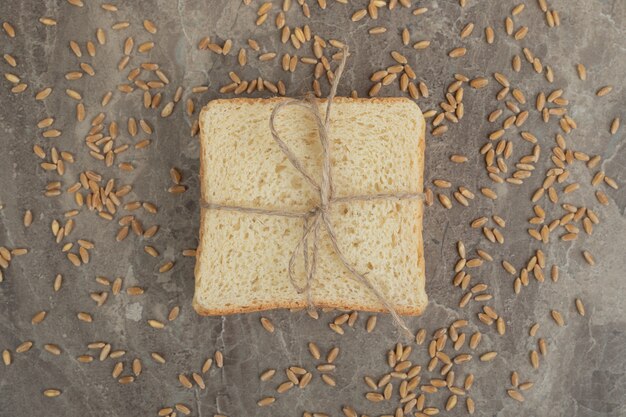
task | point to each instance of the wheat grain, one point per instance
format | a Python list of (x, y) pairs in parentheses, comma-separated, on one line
[(508, 25), (489, 356), (614, 126), (266, 401), (157, 357), (6, 357), (126, 380), (38, 317), (104, 352), (305, 380), (150, 26), (156, 324), (120, 25), (589, 258), (467, 30), (525, 386), (489, 193), (457, 52), (52, 348), (445, 201), (521, 33), (534, 359), (518, 9), (166, 267), (51, 392), (198, 380), (328, 380), (165, 411), (117, 370), (479, 82), (451, 402), (515, 395), (24, 347), (353, 318), (603, 91), (489, 35), (47, 21), (267, 324), (8, 29), (557, 317), (219, 359), (184, 381), (284, 387)]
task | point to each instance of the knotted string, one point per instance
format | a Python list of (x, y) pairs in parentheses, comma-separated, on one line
[(319, 216)]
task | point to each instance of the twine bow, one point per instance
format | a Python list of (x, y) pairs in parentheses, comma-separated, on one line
[(319, 216)]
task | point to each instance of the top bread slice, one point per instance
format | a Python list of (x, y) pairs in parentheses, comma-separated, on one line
[(377, 146)]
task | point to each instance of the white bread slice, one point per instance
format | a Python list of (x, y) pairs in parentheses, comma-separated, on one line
[(242, 259)]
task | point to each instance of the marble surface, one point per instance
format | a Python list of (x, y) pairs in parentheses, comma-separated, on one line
[(584, 372)]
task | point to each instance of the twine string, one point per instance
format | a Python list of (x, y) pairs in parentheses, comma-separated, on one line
[(319, 216)]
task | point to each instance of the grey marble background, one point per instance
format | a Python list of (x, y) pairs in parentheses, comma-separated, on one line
[(584, 373)]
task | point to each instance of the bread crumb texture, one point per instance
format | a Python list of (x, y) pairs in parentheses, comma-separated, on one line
[(377, 146)]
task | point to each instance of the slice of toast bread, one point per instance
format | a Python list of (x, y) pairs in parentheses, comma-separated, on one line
[(377, 147)]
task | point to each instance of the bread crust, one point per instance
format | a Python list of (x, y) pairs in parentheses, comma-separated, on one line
[(247, 100), (405, 311)]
